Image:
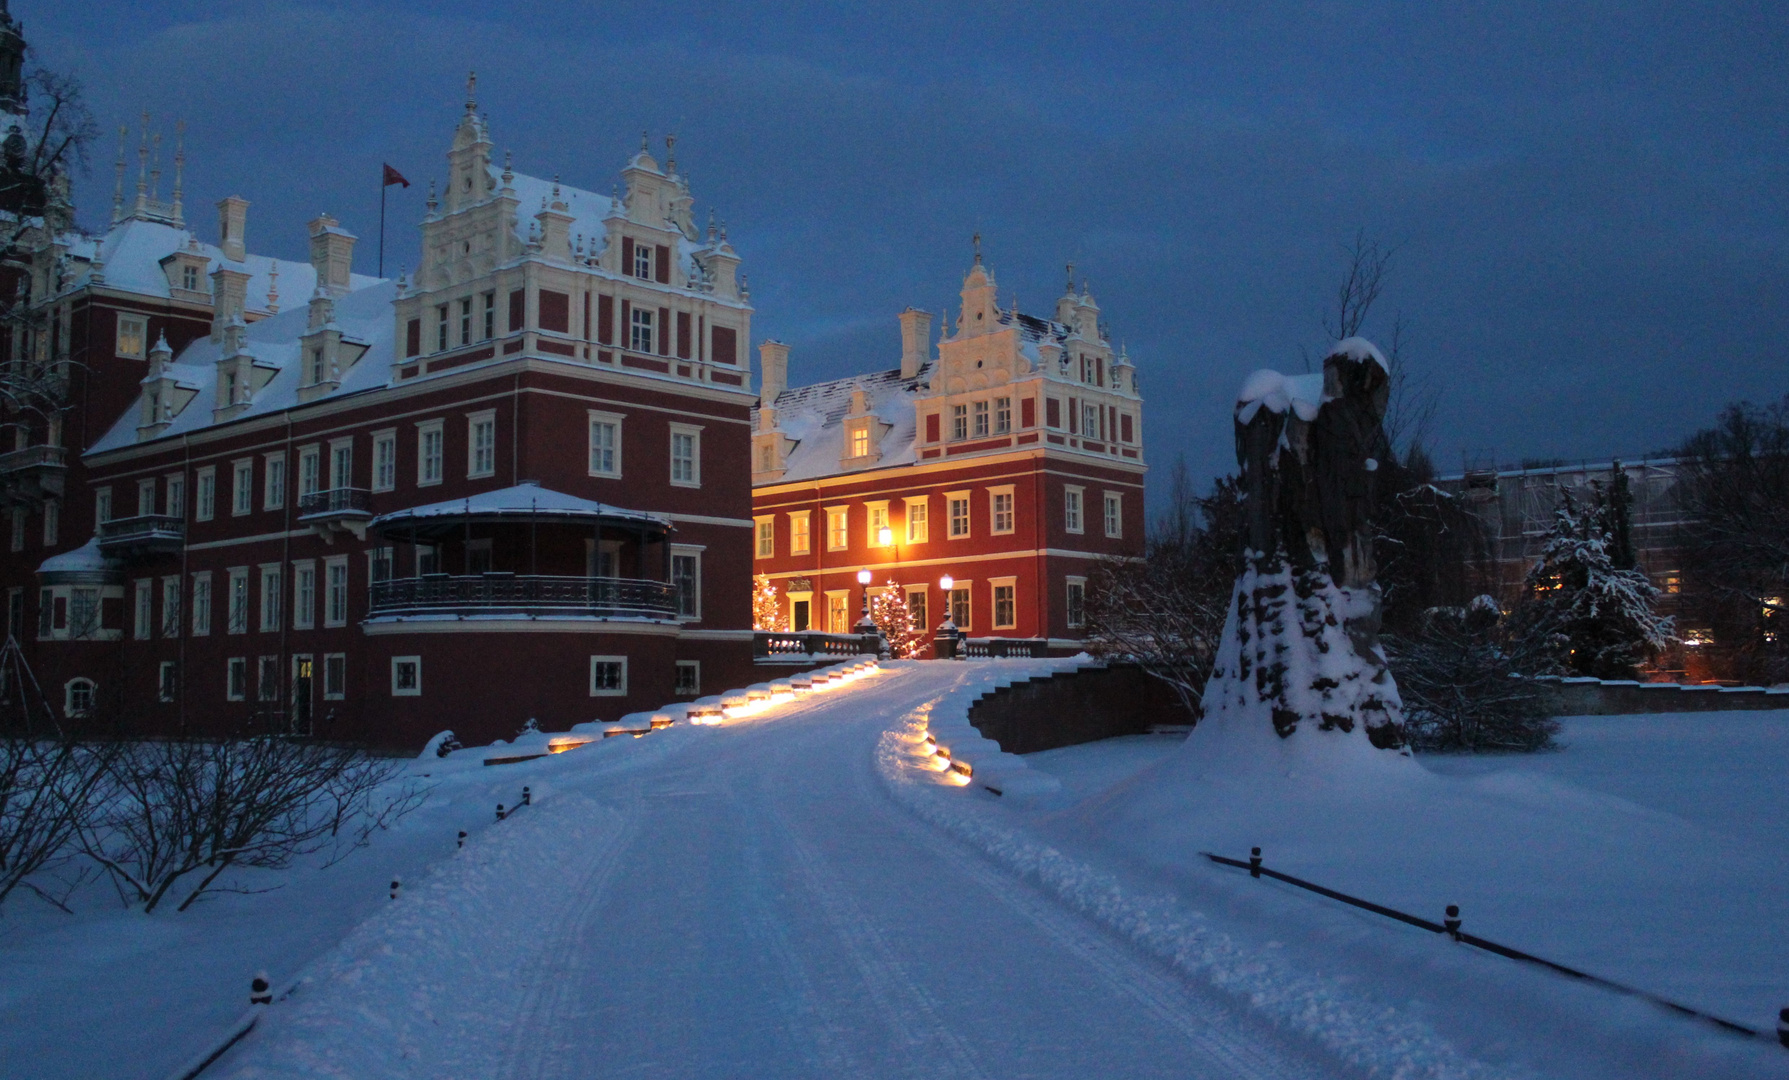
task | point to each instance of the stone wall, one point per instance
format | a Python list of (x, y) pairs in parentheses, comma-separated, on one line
[(1599, 697), (1069, 707)]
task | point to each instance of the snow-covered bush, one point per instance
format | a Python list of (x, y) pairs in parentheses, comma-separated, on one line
[(1468, 684)]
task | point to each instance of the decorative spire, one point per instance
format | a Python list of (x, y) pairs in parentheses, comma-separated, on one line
[(273, 288), (645, 142), (118, 188), (711, 225), (509, 173), (671, 154), (471, 92), (976, 240), (434, 203), (143, 165), (1070, 287), (155, 170)]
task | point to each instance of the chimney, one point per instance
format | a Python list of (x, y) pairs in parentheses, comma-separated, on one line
[(916, 341), (332, 254), (232, 227), (773, 366)]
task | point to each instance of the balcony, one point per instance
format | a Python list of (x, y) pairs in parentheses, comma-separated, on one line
[(32, 474), (333, 510), (523, 596), (143, 535)]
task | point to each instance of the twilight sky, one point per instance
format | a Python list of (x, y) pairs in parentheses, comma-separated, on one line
[(1590, 202)]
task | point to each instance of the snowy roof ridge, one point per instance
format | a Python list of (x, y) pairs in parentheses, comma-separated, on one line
[(812, 416)]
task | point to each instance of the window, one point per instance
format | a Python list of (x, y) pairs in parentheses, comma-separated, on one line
[(766, 527), (15, 613), (83, 613), (77, 697), (1114, 514), (799, 607), (243, 499), (981, 419), (304, 594), (1003, 415), (102, 505), (378, 563), (860, 440), (170, 607), (144, 610), (608, 676), (133, 335), (341, 463), (799, 540), (1076, 606), (642, 330), (406, 676), (689, 678), (18, 528), (440, 327), (1090, 421), (145, 497), (335, 578), (1006, 615), (428, 453), (52, 522), (176, 504), (838, 613), (189, 278), (335, 676), (310, 471), (481, 444), (274, 497), (916, 605), (956, 505), (270, 598), (879, 523), (1071, 509), (1000, 510), (202, 603), (466, 321), (642, 261), (686, 580), (238, 599), (385, 460), (478, 556), (959, 606), (686, 455), (838, 532), (207, 497), (490, 327), (167, 681), (267, 678), (236, 678), (605, 444), (46, 603), (959, 421), (918, 510), (316, 368)]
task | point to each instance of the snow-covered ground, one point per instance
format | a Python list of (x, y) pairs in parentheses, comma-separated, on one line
[(802, 893)]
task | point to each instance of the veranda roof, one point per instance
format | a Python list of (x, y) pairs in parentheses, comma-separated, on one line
[(521, 504)]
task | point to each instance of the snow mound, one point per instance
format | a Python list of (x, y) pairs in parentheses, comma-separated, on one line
[(1270, 390)]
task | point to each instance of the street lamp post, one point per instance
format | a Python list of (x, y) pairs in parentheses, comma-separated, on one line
[(948, 634)]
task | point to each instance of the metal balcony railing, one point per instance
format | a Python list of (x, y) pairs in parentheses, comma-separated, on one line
[(524, 594), (32, 457), (142, 533), (336, 502)]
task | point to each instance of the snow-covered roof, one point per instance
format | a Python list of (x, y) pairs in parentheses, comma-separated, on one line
[(133, 251), (813, 417), (84, 560), (522, 501), (365, 318)]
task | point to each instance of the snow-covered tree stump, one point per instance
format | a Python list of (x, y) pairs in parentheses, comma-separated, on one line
[(1300, 648)]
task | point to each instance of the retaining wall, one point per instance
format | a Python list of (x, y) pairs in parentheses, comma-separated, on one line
[(1611, 697), (1081, 705)]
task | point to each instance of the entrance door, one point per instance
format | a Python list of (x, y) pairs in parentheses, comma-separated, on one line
[(798, 620), (301, 694)]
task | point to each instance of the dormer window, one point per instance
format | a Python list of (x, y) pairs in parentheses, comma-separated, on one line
[(189, 278), (316, 366), (860, 441), (643, 262), (642, 330)]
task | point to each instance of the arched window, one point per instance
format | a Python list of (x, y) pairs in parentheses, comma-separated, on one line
[(77, 696)]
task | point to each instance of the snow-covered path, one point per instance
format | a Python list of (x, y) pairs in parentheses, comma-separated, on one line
[(748, 901)]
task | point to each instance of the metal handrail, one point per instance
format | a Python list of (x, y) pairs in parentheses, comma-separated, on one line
[(157, 526), (524, 594), (338, 500)]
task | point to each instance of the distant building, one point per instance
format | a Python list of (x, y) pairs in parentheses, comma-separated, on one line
[(515, 485), (1010, 462)]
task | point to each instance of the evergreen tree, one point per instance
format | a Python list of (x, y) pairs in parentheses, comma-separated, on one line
[(892, 616), (767, 612), (1598, 616)]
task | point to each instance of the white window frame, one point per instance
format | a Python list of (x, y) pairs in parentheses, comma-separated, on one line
[(983, 419), (994, 587), (146, 497), (201, 625), (52, 522), (844, 534), (242, 486), (1074, 509), (304, 594), (640, 338), (397, 663), (643, 255), (614, 691), (68, 696), (166, 689), (102, 506), (924, 594), (1003, 415), (205, 481), (341, 462), (487, 421), (272, 597), (1012, 510), (128, 322), (612, 420), (843, 596), (430, 466), (329, 593), (678, 689), (236, 620), (694, 433), (173, 604), (923, 533), (1114, 514), (875, 520), (174, 502), (143, 609), (689, 551), (342, 659), (385, 459), (273, 468), (310, 470), (764, 537), (968, 591), (953, 499), (801, 539), (1074, 620), (959, 422)]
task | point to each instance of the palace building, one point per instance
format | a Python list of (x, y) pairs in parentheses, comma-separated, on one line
[(514, 485), (1010, 462)]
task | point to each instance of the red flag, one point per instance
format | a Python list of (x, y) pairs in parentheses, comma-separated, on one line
[(392, 176)]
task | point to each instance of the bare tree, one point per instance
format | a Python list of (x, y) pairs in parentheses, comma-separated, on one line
[(1369, 263), (1468, 682)]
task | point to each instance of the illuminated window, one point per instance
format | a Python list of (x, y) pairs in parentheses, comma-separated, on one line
[(766, 537), (838, 534), (917, 528), (798, 533)]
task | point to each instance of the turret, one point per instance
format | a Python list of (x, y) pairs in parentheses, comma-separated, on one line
[(469, 162)]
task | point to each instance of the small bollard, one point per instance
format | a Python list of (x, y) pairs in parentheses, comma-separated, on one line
[(260, 991), (499, 811), (395, 885), (1255, 862), (527, 797), (1452, 922), (462, 838), (1783, 1026)]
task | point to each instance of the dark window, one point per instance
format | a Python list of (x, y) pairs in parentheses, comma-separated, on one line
[(518, 307), (413, 337), (798, 616), (932, 428), (1053, 412), (683, 335), (663, 265), (1124, 427), (605, 319), (725, 345), (555, 311)]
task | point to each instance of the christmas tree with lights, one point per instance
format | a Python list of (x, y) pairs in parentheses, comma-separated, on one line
[(892, 616), (767, 613)]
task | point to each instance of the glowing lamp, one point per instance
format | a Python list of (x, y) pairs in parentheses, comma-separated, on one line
[(863, 576), (946, 582), (885, 536)]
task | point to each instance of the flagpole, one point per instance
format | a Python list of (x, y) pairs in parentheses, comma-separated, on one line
[(382, 186)]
